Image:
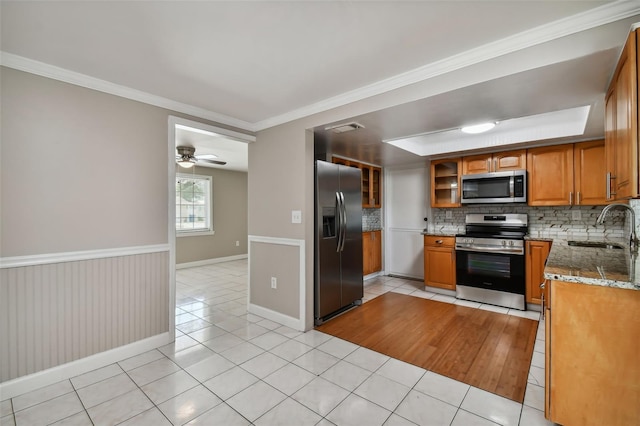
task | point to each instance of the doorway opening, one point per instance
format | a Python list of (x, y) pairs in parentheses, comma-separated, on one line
[(207, 197)]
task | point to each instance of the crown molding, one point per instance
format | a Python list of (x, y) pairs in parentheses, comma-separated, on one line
[(593, 18), (61, 74)]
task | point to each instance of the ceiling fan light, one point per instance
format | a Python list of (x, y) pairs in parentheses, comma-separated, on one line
[(478, 128), (187, 162)]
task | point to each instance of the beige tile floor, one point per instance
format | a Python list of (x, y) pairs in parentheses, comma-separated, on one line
[(229, 367)]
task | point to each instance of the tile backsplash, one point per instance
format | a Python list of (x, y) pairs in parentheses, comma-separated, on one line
[(546, 222), (371, 219)]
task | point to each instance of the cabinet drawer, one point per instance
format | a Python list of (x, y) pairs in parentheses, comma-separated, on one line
[(437, 241)]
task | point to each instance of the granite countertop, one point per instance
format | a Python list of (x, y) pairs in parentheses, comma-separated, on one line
[(438, 233), (594, 266)]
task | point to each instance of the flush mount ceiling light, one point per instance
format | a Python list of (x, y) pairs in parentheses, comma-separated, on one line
[(478, 128), (550, 125), (346, 127)]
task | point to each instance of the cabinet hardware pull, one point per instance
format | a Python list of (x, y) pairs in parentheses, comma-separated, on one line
[(571, 198), (608, 181), (488, 165), (542, 286), (578, 198), (495, 164), (438, 241)]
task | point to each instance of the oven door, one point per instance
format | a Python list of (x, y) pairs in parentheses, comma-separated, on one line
[(491, 271)]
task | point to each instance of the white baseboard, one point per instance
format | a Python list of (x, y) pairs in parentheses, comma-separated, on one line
[(47, 377), (210, 261), (375, 274), (291, 322)]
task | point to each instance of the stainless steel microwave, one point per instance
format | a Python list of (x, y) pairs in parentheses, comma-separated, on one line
[(496, 187)]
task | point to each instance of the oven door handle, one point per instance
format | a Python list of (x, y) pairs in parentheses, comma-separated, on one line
[(499, 250)]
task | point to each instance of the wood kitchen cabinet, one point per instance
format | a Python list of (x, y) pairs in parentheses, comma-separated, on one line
[(589, 176), (445, 182), (566, 175), (621, 124), (371, 252), (592, 373), (371, 186), (439, 262), (537, 253), (495, 162), (550, 180), (371, 181)]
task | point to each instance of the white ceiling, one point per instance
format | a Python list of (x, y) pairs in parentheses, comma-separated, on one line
[(252, 65)]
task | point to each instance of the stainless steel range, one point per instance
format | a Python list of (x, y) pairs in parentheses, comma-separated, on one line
[(490, 264)]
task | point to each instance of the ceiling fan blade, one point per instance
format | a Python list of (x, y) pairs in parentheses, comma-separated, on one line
[(221, 163)]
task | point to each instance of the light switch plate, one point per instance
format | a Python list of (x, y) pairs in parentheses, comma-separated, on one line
[(448, 214), (576, 215), (296, 216)]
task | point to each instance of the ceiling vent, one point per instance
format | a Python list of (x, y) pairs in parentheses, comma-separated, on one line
[(346, 127)]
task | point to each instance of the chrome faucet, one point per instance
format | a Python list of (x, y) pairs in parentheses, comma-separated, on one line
[(633, 241)]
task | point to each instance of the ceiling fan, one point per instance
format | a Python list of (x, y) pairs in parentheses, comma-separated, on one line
[(186, 157)]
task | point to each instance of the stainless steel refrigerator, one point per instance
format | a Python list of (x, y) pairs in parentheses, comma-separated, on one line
[(338, 248)]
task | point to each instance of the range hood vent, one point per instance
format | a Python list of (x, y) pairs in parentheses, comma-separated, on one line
[(346, 127)]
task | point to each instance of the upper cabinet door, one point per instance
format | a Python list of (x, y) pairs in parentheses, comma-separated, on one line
[(626, 125), (496, 162), (445, 182), (590, 175), (511, 160), (621, 124), (610, 144), (475, 164), (550, 180)]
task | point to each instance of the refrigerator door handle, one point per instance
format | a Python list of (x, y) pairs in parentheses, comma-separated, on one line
[(343, 221), (339, 223)]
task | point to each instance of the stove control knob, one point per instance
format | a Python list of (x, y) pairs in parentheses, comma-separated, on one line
[(511, 243), (504, 243)]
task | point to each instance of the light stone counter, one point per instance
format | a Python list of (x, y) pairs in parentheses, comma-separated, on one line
[(438, 234), (594, 266)]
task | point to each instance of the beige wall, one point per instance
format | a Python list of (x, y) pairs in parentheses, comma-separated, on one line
[(81, 170), (229, 219), (287, 273)]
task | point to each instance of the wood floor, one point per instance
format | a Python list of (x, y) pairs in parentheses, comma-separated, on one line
[(484, 349)]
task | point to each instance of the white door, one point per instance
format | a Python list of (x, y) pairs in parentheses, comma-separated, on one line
[(406, 207)]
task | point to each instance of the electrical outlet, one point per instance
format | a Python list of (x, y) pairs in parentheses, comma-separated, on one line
[(576, 215), (448, 214), (237, 243), (296, 216), (274, 282)]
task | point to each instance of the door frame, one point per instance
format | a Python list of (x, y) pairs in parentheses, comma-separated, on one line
[(171, 191)]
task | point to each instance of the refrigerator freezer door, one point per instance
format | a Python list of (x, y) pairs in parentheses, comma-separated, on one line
[(328, 289)]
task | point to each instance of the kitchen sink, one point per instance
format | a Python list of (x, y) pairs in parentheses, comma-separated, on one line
[(595, 244)]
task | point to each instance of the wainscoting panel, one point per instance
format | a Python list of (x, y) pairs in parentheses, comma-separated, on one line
[(51, 314)]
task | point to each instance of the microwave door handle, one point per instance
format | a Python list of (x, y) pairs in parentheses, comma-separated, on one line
[(511, 186)]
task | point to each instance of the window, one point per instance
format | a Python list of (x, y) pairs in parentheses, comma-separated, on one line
[(193, 204)]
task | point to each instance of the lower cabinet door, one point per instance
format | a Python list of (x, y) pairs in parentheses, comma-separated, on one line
[(440, 267)]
